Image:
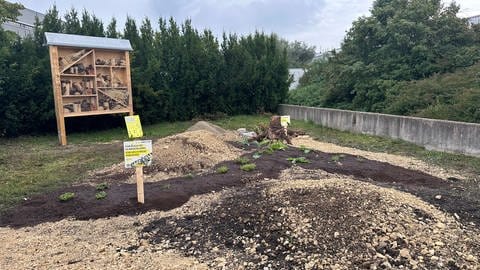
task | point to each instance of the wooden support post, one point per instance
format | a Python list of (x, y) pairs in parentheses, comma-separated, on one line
[(139, 176), (129, 84), (57, 95)]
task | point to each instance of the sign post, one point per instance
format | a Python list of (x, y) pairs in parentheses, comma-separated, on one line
[(285, 122), (137, 153)]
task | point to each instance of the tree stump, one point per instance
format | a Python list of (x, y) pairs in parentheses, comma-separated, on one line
[(274, 131)]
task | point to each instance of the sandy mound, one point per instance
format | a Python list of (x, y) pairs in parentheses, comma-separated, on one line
[(188, 152), (192, 151), (202, 125)]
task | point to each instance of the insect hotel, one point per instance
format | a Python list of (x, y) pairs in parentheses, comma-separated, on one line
[(90, 76)]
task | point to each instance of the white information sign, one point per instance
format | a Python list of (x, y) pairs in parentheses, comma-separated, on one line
[(137, 153)]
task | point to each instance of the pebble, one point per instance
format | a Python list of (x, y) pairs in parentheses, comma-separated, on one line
[(404, 253), (438, 197), (470, 258)]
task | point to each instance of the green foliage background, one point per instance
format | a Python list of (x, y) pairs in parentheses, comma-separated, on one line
[(178, 72), (409, 57)]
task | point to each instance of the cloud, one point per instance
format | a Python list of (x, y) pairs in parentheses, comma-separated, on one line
[(322, 23)]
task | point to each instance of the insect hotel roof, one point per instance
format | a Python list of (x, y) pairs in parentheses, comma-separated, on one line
[(68, 40)]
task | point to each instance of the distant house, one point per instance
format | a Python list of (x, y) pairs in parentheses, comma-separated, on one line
[(25, 23), (296, 74), (474, 19)]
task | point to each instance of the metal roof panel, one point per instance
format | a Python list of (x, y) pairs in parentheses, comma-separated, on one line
[(80, 41)]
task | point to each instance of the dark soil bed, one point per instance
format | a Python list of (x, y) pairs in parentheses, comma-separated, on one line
[(172, 193)]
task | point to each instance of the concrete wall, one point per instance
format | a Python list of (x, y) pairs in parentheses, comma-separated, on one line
[(448, 136)]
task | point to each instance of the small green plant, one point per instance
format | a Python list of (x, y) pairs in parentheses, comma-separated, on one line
[(277, 145), (245, 141), (101, 186), (256, 155), (248, 167), (298, 160), (242, 160), (189, 175), (67, 196), (101, 195), (222, 169), (337, 158), (304, 149), (265, 142)]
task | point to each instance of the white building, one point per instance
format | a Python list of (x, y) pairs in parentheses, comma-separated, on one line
[(474, 19), (25, 23), (296, 74)]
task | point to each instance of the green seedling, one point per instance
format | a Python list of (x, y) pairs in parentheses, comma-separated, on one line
[(67, 196), (256, 155), (245, 141), (337, 158), (242, 160), (304, 149), (190, 175), (101, 186), (276, 146), (298, 160), (222, 169), (265, 142), (101, 195), (248, 167)]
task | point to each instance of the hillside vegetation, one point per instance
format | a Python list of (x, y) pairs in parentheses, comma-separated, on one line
[(408, 57)]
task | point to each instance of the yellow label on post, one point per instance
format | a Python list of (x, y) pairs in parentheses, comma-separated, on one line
[(134, 127), (285, 120)]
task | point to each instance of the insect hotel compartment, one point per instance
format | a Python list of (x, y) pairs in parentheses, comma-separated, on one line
[(93, 80)]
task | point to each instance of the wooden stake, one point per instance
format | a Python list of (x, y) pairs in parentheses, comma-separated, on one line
[(57, 95), (139, 175)]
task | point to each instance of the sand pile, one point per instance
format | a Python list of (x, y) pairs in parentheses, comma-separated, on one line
[(192, 151), (189, 152)]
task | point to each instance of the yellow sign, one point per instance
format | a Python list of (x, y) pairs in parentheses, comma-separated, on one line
[(285, 120), (134, 127), (137, 153)]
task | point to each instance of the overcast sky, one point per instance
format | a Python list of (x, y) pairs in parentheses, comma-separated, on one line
[(321, 23)]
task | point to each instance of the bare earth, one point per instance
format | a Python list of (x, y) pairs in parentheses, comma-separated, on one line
[(303, 219)]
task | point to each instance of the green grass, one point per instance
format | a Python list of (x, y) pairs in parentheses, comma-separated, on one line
[(37, 164)]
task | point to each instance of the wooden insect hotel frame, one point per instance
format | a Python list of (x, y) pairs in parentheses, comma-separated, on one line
[(90, 76)]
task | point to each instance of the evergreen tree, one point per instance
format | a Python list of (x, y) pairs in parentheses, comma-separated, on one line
[(112, 29), (72, 23)]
